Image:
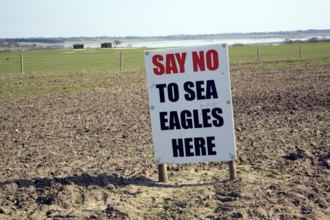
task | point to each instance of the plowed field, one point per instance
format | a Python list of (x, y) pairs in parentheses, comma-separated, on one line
[(89, 155)]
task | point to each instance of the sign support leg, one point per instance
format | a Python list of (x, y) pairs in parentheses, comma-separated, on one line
[(162, 173), (232, 170)]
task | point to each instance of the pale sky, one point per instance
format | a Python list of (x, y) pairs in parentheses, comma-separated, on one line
[(73, 18)]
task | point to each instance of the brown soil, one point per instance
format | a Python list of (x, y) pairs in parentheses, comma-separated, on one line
[(89, 155)]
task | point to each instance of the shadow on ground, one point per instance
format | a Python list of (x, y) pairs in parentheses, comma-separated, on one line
[(101, 180)]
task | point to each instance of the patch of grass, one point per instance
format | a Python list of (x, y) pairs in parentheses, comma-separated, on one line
[(69, 70), (40, 83), (272, 174), (279, 52), (243, 169), (70, 60)]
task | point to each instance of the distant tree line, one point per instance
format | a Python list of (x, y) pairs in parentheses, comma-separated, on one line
[(8, 44), (310, 40), (174, 37), (118, 40), (35, 40)]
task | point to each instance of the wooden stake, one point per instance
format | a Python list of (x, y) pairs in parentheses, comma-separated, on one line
[(121, 60), (162, 173), (22, 63), (232, 170)]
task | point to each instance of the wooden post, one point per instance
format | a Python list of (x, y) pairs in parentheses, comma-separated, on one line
[(22, 63), (121, 60), (258, 53), (300, 52), (232, 170), (162, 173)]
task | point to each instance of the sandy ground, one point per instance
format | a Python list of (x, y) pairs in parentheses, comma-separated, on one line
[(89, 155)]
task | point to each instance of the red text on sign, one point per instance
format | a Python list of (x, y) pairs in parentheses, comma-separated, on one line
[(171, 63), (201, 61)]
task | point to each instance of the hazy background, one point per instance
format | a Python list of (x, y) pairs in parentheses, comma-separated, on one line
[(63, 18)]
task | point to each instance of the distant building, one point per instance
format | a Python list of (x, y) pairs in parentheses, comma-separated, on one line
[(106, 45), (78, 46)]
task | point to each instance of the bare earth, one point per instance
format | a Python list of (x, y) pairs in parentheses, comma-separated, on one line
[(89, 155)]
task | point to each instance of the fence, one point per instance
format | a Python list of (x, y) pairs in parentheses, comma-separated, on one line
[(64, 60), (71, 60), (279, 52)]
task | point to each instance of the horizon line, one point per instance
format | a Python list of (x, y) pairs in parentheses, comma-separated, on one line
[(305, 31)]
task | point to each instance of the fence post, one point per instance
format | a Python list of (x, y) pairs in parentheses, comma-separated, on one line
[(232, 170), (162, 173), (22, 63), (258, 53), (121, 60), (300, 51)]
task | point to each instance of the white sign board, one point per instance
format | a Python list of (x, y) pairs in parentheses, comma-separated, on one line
[(190, 104)]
